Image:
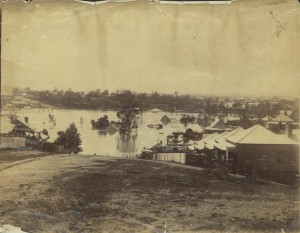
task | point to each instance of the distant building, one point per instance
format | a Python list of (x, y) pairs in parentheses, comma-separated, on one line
[(35, 104), (278, 124), (218, 126), (155, 110), (284, 119), (165, 119)]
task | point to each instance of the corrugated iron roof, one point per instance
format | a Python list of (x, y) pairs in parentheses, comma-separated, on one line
[(224, 145), (259, 135)]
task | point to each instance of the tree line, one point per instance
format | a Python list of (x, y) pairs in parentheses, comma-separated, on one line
[(119, 99)]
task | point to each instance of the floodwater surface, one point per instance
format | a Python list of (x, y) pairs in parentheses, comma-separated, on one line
[(99, 142)]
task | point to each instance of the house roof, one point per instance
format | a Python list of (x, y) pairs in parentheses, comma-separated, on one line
[(267, 118), (217, 129), (202, 143), (220, 141), (216, 123), (224, 145), (233, 132), (220, 136), (209, 142), (195, 127), (209, 137), (165, 117), (232, 118), (21, 125), (157, 146), (155, 110), (259, 135), (282, 118), (210, 146), (199, 146)]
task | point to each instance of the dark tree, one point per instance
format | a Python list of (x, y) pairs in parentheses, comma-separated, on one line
[(70, 139)]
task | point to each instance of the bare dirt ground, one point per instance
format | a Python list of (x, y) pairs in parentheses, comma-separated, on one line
[(82, 193)]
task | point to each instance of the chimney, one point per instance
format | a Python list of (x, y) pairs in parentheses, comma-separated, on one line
[(289, 130), (26, 120)]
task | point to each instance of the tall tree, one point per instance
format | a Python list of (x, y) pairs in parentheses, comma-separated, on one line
[(70, 139)]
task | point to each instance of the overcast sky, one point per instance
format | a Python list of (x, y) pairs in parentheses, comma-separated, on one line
[(248, 47)]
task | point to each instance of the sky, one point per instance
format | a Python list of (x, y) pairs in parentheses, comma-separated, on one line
[(249, 47)]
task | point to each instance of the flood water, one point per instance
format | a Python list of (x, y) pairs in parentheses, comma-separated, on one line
[(94, 141)]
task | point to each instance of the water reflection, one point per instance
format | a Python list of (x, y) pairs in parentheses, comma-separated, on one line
[(102, 132), (126, 142)]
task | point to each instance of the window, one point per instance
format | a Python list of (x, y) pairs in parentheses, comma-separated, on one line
[(279, 157)]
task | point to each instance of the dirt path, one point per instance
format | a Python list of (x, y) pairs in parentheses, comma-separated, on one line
[(80, 193), (39, 170)]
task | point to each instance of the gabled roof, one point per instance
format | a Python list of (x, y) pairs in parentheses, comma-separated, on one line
[(220, 136), (218, 123), (21, 125), (165, 117), (199, 146), (221, 143), (259, 135), (233, 132), (282, 118), (224, 145), (209, 137), (209, 142), (157, 146)]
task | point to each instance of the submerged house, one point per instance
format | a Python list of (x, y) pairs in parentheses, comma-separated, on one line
[(155, 110), (165, 119), (218, 126)]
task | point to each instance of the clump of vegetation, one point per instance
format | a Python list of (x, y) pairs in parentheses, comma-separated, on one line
[(188, 120), (192, 135), (128, 118), (70, 139), (101, 123)]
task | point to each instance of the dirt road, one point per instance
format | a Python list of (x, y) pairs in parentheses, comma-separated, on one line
[(81, 193)]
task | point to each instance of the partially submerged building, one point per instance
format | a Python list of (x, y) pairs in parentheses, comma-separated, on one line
[(218, 126)]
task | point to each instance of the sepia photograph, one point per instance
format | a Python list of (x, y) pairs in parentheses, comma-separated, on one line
[(149, 116)]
